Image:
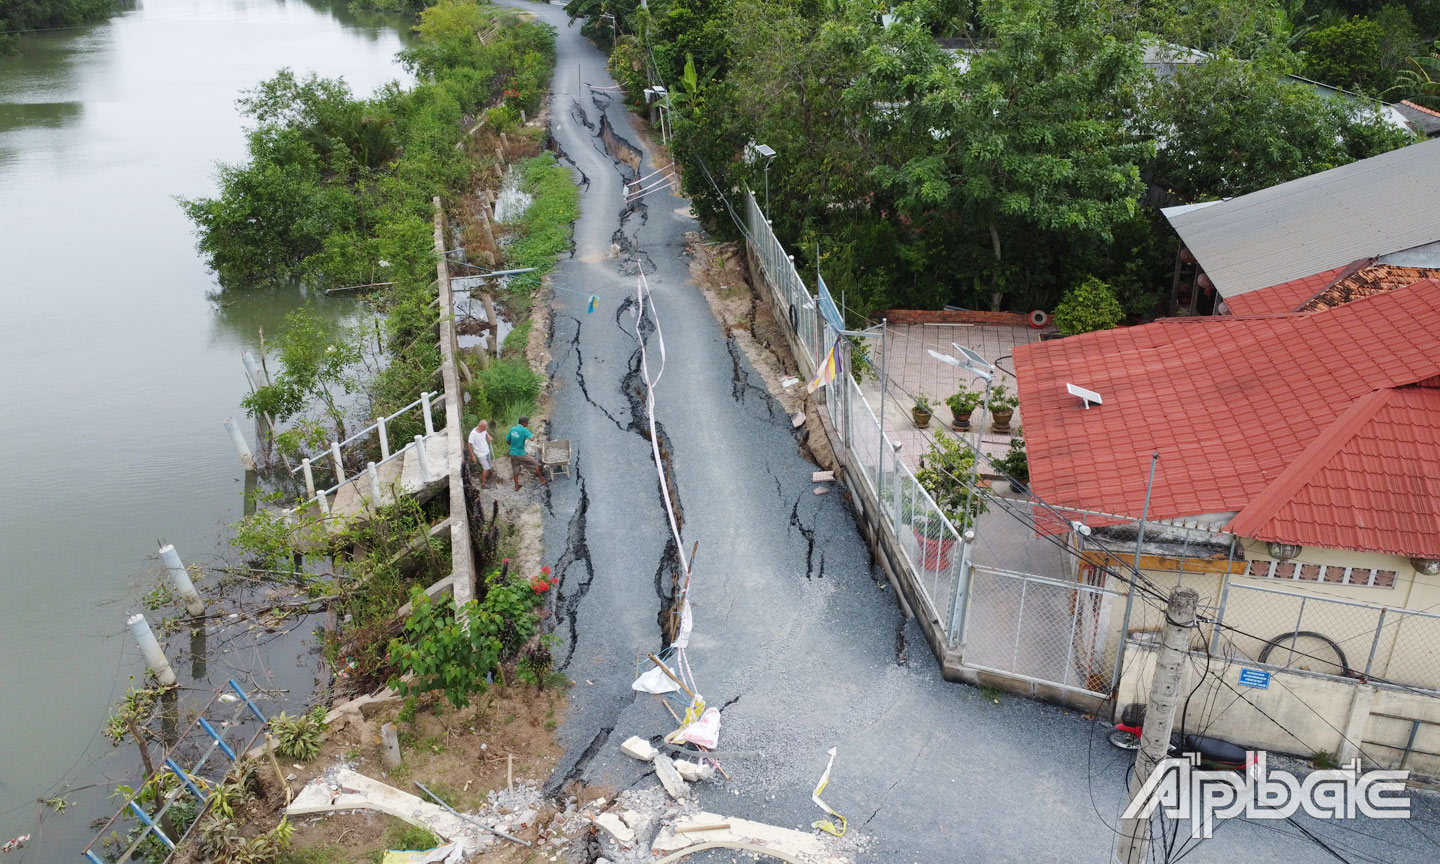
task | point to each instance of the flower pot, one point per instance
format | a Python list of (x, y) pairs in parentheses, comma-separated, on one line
[(921, 417), (934, 551), (1000, 418), (1019, 487), (962, 421)]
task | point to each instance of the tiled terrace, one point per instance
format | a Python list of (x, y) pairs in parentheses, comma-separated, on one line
[(912, 370)]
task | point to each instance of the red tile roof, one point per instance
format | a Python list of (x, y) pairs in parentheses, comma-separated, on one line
[(1287, 295), (1276, 418)]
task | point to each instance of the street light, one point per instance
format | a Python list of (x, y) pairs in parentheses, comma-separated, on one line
[(981, 368), (766, 152)]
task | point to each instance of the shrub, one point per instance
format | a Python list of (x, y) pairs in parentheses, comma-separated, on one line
[(299, 737), (945, 473), (1090, 306)]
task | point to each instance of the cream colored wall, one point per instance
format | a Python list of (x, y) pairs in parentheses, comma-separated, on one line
[(1408, 647), (1301, 714)]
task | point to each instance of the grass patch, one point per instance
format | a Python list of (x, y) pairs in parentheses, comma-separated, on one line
[(517, 339), (544, 230), (405, 836), (327, 854)]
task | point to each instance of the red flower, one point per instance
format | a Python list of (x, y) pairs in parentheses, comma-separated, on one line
[(540, 587), (555, 581), (545, 570)]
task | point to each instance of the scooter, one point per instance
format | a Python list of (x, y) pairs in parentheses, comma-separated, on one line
[(1215, 754)]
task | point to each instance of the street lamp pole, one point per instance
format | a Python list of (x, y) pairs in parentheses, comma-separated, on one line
[(766, 152), (981, 368)]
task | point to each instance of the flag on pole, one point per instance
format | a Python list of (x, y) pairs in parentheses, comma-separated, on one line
[(590, 307), (826, 373)]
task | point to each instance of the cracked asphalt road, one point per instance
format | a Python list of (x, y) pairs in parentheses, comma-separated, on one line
[(793, 633)]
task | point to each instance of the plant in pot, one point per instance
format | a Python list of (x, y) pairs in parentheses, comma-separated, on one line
[(922, 411), (935, 541), (1016, 465), (962, 405), (1002, 407), (945, 473)]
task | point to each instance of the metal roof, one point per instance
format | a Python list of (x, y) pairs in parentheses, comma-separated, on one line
[(1365, 209)]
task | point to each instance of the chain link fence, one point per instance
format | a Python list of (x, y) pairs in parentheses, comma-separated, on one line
[(1331, 636)]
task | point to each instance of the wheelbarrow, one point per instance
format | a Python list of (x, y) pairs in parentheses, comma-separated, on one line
[(555, 457)]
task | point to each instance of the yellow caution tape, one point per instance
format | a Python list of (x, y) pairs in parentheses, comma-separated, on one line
[(826, 825)]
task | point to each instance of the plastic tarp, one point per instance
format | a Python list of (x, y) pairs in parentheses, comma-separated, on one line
[(450, 853)]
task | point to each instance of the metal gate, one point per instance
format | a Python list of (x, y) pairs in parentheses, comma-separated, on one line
[(1042, 630)]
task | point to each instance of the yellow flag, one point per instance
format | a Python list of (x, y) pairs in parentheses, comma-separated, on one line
[(826, 373)]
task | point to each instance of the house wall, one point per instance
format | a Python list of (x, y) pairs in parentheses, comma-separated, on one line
[(1370, 635), (1300, 714)]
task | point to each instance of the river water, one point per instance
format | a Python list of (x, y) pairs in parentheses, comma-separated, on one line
[(116, 366)]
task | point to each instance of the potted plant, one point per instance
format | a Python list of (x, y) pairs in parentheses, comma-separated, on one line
[(946, 472), (922, 411), (962, 405), (935, 541), (1002, 407), (1016, 466)]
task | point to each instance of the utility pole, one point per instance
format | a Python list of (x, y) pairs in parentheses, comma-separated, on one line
[(1133, 843)]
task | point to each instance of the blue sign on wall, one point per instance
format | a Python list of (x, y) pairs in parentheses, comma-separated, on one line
[(1257, 678)]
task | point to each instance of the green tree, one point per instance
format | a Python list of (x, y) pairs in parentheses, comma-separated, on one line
[(316, 356), (1347, 55), (1229, 127), (1419, 80), (1030, 141), (19, 16), (1087, 307)]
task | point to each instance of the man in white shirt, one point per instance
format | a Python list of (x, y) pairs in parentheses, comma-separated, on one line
[(479, 445)]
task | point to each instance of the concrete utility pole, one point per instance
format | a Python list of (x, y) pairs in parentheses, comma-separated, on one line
[(1132, 846)]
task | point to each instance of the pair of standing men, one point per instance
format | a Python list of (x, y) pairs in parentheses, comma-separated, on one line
[(479, 446)]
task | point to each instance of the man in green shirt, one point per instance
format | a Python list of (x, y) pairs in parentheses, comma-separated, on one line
[(516, 438)]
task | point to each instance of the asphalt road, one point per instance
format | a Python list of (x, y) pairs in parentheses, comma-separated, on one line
[(793, 634)]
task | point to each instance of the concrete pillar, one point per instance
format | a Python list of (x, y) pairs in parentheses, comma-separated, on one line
[(389, 746), (257, 375), (151, 651), (309, 478), (421, 459), (338, 463), (1356, 722), (384, 438), (180, 581), (247, 458), (429, 418), (324, 501), (374, 484)]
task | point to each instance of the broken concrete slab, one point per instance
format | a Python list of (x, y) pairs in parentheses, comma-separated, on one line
[(821, 476), (796, 843), (691, 772), (669, 777), (612, 825), (798, 420), (638, 748), (340, 788)]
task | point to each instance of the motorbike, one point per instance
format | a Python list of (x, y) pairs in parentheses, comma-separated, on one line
[(1215, 754)]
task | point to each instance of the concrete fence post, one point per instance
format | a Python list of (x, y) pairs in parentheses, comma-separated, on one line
[(429, 417), (324, 500), (180, 581), (257, 376), (339, 464), (374, 484), (384, 438), (247, 459), (422, 460), (150, 649), (309, 477)]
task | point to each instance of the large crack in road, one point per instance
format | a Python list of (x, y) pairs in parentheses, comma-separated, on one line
[(928, 771)]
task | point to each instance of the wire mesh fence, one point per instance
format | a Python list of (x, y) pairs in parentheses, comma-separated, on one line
[(1330, 636)]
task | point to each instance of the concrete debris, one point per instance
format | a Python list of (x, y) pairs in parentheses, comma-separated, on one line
[(821, 476), (798, 420), (691, 772), (611, 824), (633, 819), (638, 748), (669, 777), (822, 490), (340, 788), (787, 383), (799, 844)]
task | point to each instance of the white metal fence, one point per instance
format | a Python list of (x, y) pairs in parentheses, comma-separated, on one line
[(1034, 626)]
